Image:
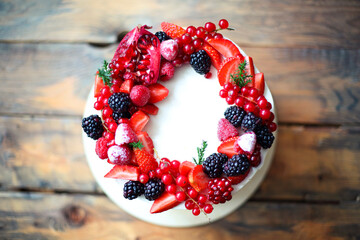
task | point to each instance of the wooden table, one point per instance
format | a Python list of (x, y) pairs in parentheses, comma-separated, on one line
[(309, 52)]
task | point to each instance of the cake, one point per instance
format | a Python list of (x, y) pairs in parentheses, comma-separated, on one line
[(181, 131)]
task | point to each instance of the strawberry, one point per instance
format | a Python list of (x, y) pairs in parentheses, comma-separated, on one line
[(120, 155), (138, 121), (226, 130), (127, 85), (157, 93), (165, 202), (124, 172), (101, 148), (249, 70), (149, 109), (198, 179), (229, 66), (238, 179), (172, 30), (145, 160), (213, 54), (259, 83), (99, 84), (125, 134), (227, 147), (186, 167), (226, 47), (146, 141)]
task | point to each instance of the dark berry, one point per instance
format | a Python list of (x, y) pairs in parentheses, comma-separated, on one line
[(264, 136), (119, 102), (237, 165), (93, 127), (250, 122), (153, 189), (200, 61), (235, 115), (133, 189), (213, 164), (162, 36), (117, 115)]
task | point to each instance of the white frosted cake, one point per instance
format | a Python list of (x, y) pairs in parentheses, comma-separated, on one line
[(191, 114)]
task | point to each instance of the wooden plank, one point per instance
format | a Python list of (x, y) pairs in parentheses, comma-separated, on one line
[(262, 23), (319, 164), (54, 79), (49, 216)]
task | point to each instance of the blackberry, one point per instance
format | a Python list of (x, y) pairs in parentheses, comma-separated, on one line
[(264, 136), (117, 115), (153, 189), (92, 126), (162, 36), (235, 115), (200, 61), (237, 165), (133, 189), (119, 102), (213, 164), (250, 122)]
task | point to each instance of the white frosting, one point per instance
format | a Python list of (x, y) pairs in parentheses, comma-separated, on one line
[(186, 117)]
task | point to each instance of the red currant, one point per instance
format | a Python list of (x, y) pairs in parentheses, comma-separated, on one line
[(188, 49), (218, 36), (186, 38), (230, 100), (115, 88), (178, 41), (200, 32), (208, 208), (180, 196), (143, 178), (245, 91), (112, 127), (107, 112), (228, 86), (109, 135), (175, 164), (191, 30), (171, 188), (249, 107), (202, 198), (152, 174), (264, 114), (253, 93), (223, 93), (210, 27), (196, 211), (223, 23), (167, 179), (261, 102), (165, 165), (182, 181), (208, 75), (197, 43), (192, 193), (189, 204), (272, 127), (271, 118), (269, 106), (105, 91), (239, 101), (98, 105)]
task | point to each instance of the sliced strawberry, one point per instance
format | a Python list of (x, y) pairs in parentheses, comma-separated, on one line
[(238, 179), (198, 179), (127, 85), (172, 30), (146, 141), (165, 202), (226, 47), (227, 147), (99, 84), (150, 109), (157, 93), (186, 167), (214, 55), (249, 70), (138, 121), (124, 172), (259, 82), (228, 67)]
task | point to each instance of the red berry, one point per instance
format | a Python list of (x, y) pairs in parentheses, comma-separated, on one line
[(180, 196), (253, 93), (143, 178), (175, 164), (152, 174), (107, 112), (105, 91), (223, 93), (230, 100), (105, 101), (115, 88), (158, 172), (112, 127), (223, 23), (165, 165), (188, 49), (189, 204), (167, 179), (191, 30), (245, 91), (261, 102), (271, 118), (192, 193), (218, 36), (178, 41), (109, 135), (197, 43), (186, 38), (196, 211), (264, 114), (249, 107), (208, 208), (228, 86), (200, 32), (269, 106), (208, 75), (236, 88), (98, 105), (171, 188), (182, 181), (202, 198), (272, 127), (210, 27), (239, 101)]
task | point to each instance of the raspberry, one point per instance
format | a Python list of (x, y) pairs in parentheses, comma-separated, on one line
[(101, 148), (213, 164), (226, 130), (140, 95), (235, 115), (119, 102), (118, 115), (133, 189), (166, 71), (92, 126), (169, 49), (120, 155), (125, 134), (246, 143), (201, 62), (264, 137), (237, 165), (250, 122), (162, 36), (153, 189)]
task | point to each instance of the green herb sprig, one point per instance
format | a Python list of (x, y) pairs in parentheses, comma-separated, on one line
[(200, 152), (239, 77), (105, 74)]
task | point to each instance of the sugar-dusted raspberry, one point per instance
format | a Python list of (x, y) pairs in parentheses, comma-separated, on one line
[(125, 134), (140, 95), (169, 49), (226, 130), (120, 155), (167, 71), (101, 148)]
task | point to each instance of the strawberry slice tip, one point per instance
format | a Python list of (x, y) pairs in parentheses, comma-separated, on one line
[(165, 202), (124, 172)]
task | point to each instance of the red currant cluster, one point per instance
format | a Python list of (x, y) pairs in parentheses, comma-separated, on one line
[(220, 190), (251, 101), (193, 40)]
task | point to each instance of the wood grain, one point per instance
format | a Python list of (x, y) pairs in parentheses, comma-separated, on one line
[(262, 23), (45, 216), (317, 164), (55, 79)]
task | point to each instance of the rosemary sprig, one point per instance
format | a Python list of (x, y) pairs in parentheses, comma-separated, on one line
[(239, 77), (104, 73), (200, 152)]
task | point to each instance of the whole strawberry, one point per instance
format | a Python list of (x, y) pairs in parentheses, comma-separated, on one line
[(145, 160)]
